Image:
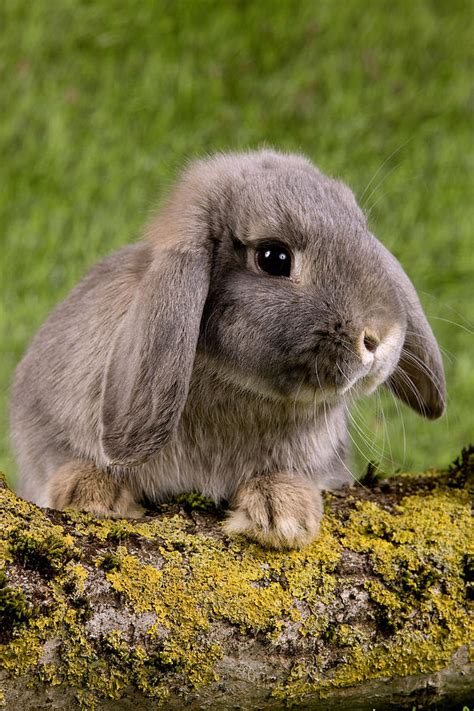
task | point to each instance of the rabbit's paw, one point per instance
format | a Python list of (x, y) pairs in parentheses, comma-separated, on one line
[(277, 510), (81, 486)]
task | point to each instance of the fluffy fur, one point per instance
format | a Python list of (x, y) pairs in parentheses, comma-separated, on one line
[(177, 365)]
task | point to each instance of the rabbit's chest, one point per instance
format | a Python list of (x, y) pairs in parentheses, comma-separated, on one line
[(214, 457)]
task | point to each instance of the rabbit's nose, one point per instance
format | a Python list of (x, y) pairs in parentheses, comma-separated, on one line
[(367, 345)]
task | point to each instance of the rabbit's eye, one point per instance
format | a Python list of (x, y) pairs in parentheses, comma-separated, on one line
[(274, 259)]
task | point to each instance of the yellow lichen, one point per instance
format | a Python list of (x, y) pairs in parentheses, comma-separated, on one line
[(414, 551), (417, 553)]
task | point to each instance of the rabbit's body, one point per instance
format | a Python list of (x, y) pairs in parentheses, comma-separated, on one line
[(194, 362), (56, 391), (225, 433)]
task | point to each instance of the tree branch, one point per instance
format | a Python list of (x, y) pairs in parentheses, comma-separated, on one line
[(168, 610)]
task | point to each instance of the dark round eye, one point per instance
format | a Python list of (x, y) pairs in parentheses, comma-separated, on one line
[(274, 259)]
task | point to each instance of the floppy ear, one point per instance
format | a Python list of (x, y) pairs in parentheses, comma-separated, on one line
[(418, 379), (151, 360)]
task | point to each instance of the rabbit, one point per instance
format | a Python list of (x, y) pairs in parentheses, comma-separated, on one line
[(218, 354)]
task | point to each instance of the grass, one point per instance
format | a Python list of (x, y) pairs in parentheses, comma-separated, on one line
[(101, 102)]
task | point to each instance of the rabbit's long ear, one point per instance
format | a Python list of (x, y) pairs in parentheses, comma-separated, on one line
[(150, 364), (151, 360), (418, 379)]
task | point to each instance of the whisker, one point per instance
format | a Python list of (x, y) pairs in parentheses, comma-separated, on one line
[(400, 414), (392, 154), (454, 323), (386, 431), (295, 400), (411, 386), (334, 448), (446, 306), (365, 439), (413, 358), (448, 354), (363, 435), (348, 349), (382, 181), (361, 452), (373, 432), (387, 192)]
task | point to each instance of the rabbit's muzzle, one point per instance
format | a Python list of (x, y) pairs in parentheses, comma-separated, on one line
[(344, 356)]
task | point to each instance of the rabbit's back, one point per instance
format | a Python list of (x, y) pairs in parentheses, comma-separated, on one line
[(55, 404)]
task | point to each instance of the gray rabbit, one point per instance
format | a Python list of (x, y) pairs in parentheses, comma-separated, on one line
[(218, 354)]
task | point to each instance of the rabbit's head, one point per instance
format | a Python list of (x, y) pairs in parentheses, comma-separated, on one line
[(267, 267)]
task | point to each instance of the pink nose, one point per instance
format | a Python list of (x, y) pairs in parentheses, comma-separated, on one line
[(367, 345), (370, 341)]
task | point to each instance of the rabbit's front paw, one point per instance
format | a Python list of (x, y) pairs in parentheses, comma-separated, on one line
[(277, 510), (81, 486)]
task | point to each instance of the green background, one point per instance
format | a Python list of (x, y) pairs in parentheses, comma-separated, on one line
[(102, 102)]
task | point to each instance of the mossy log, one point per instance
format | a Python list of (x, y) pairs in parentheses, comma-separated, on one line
[(169, 612)]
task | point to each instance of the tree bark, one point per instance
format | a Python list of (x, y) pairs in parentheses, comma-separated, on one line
[(167, 611)]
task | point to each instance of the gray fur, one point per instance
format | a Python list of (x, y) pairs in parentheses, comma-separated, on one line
[(176, 366)]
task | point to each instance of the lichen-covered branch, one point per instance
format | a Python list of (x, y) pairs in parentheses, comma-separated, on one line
[(167, 610)]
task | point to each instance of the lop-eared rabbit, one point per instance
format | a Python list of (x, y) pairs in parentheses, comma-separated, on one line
[(220, 354)]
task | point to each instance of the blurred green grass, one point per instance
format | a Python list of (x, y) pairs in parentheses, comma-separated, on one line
[(101, 102)]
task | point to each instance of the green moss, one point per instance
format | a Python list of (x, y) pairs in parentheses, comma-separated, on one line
[(417, 554), (195, 502), (109, 561), (14, 608), (461, 471), (44, 551), (416, 577)]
